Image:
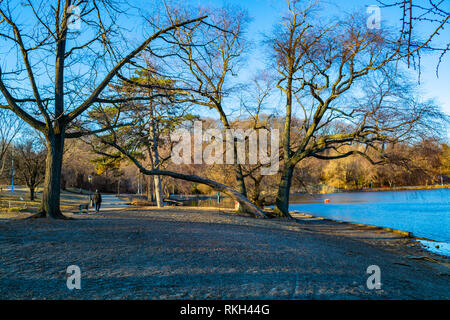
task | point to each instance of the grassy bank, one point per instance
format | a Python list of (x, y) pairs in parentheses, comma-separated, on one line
[(17, 204)]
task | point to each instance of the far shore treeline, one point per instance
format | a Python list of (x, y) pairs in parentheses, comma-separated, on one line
[(424, 164)]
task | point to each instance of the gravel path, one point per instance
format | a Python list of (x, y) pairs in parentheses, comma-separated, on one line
[(111, 202), (187, 253)]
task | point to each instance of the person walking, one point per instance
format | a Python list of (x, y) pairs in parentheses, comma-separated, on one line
[(97, 199)]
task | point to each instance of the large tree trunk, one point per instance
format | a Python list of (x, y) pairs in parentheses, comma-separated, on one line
[(281, 208), (241, 186), (255, 197), (282, 202), (240, 180), (50, 204)]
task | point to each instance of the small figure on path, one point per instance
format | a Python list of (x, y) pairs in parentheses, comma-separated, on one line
[(97, 199)]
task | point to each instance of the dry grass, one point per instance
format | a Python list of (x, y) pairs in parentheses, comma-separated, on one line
[(18, 205)]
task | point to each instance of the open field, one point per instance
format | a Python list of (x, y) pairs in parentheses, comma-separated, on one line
[(197, 253)]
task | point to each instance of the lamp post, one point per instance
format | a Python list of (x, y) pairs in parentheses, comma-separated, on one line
[(12, 170)]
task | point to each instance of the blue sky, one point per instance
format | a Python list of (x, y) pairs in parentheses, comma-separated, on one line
[(265, 14)]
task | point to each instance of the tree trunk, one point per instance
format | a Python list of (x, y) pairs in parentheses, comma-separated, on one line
[(281, 208), (237, 167), (158, 193), (149, 189), (31, 194), (50, 204), (155, 159), (240, 180), (241, 188), (255, 197)]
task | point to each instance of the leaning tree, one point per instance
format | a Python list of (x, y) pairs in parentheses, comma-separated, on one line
[(59, 58)]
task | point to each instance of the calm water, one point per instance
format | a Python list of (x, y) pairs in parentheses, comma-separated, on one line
[(425, 213)]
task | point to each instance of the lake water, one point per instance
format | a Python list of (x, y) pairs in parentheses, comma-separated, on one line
[(425, 213)]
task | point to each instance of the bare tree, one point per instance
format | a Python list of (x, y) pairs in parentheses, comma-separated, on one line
[(254, 103), (320, 66), (68, 70), (211, 55), (30, 164)]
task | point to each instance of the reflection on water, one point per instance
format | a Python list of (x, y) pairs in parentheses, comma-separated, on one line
[(442, 248), (425, 213)]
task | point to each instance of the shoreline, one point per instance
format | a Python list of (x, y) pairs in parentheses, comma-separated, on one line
[(404, 233), (380, 189)]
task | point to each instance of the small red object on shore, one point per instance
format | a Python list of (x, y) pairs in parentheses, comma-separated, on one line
[(327, 200)]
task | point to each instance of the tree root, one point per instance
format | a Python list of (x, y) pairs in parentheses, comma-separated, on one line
[(43, 214)]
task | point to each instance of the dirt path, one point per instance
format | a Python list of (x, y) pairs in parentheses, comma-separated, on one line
[(187, 253)]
